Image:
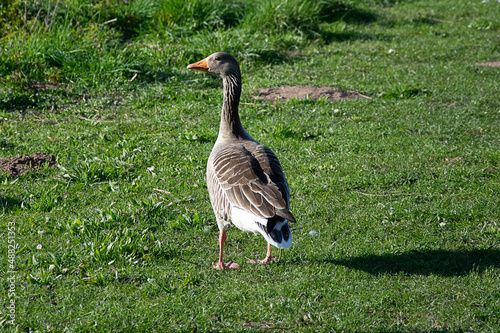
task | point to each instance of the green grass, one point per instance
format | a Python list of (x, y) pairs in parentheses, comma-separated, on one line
[(402, 190)]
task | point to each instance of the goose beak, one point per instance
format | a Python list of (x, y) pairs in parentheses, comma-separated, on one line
[(201, 65)]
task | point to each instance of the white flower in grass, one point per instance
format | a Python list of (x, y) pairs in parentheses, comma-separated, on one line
[(442, 224), (39, 247), (391, 51), (313, 233)]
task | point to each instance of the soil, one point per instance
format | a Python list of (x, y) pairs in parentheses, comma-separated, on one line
[(490, 64), (300, 92), (17, 165)]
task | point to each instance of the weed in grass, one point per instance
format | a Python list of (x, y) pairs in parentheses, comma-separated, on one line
[(97, 170), (196, 15), (46, 201)]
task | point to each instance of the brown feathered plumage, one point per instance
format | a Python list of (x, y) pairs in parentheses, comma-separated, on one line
[(245, 180)]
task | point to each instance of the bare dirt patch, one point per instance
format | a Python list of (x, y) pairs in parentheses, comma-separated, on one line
[(490, 64), (300, 92), (17, 165)]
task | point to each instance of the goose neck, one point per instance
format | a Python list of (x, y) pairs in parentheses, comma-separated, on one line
[(230, 119)]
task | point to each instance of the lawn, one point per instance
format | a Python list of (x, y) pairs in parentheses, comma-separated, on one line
[(396, 195)]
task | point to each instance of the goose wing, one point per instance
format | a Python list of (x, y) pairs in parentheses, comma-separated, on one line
[(251, 178)]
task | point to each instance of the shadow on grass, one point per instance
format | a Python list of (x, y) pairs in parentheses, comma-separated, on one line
[(8, 203), (441, 262), (271, 56), (20, 102), (33, 95), (148, 73), (330, 37), (347, 13)]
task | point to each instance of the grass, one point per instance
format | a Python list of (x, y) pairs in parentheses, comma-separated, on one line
[(401, 190)]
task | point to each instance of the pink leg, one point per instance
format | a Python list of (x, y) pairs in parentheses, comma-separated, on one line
[(268, 255), (266, 259), (221, 264)]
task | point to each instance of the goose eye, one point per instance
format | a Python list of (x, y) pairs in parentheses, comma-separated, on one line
[(217, 58)]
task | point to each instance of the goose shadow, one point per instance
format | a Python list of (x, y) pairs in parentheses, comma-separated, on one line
[(447, 263)]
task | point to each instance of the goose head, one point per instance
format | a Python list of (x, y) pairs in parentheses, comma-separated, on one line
[(219, 63)]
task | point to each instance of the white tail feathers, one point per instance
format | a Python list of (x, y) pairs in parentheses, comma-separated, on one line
[(279, 236)]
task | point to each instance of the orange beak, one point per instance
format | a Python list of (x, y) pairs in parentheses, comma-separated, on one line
[(201, 65)]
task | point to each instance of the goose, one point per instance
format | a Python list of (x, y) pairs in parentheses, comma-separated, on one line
[(245, 181)]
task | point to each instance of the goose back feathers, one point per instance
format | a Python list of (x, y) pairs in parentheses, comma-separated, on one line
[(247, 187)]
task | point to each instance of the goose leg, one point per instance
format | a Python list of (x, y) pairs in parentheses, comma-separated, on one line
[(221, 264), (267, 259)]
